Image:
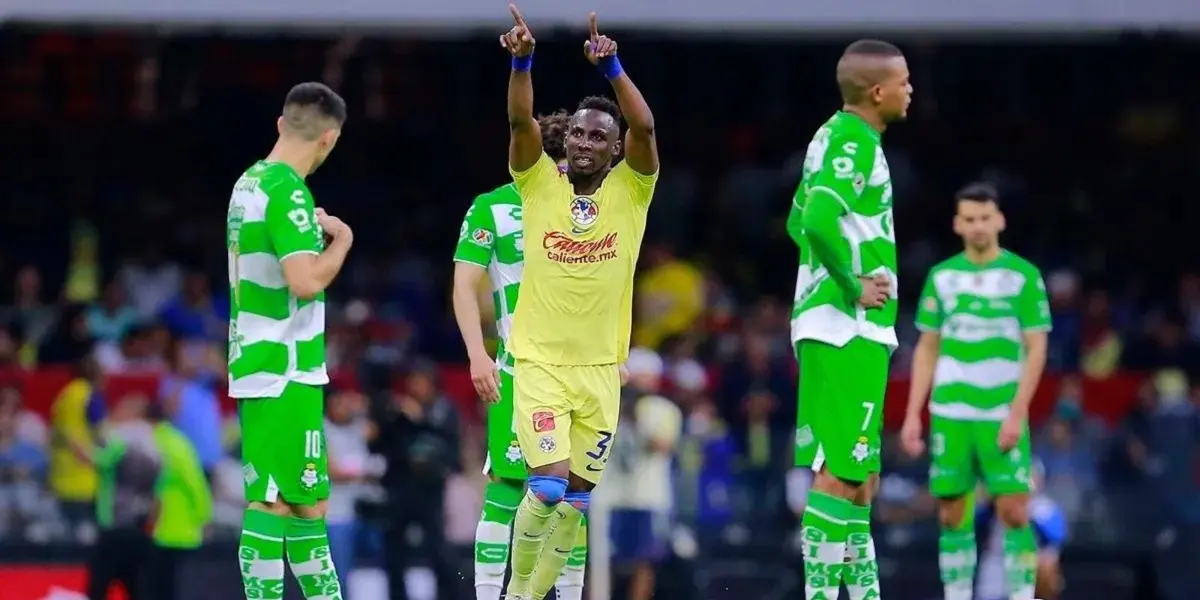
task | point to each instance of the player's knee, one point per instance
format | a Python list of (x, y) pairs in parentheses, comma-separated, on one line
[(580, 501), (548, 489), (866, 493), (314, 512), (1013, 510), (952, 512), (278, 508), (1049, 578)]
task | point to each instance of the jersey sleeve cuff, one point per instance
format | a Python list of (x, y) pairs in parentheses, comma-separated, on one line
[(1037, 329), (927, 328), (468, 261), (291, 254)]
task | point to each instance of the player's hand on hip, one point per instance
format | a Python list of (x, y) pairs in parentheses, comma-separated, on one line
[(597, 46), (1010, 433), (331, 225), (911, 437), (876, 291), (519, 40), (485, 379)]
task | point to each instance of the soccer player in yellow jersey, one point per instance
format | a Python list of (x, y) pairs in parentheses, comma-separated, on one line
[(583, 230)]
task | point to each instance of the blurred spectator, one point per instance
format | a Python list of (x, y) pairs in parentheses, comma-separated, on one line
[(351, 466), (28, 311), (418, 434), (183, 505), (128, 464), (756, 370), (903, 497), (1130, 455), (1173, 430), (111, 318), (1102, 345), (706, 458), (638, 477), (762, 453), (151, 281), (22, 474), (1071, 468), (1189, 304), (1066, 339), (137, 354), (69, 341), (11, 363), (73, 479), (1069, 407), (1166, 345), (30, 426), (194, 315), (82, 283), (189, 400), (670, 297)]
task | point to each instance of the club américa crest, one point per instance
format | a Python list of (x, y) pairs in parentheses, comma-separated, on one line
[(584, 213)]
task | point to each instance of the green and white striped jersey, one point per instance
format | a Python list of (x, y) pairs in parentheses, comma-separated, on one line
[(981, 312), (845, 160), (492, 236), (274, 337)]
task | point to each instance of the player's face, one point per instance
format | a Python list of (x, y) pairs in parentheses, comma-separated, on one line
[(894, 92), (325, 145), (979, 223), (592, 142)]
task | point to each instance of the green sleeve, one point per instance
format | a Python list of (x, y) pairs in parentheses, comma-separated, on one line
[(291, 222), (929, 309), (820, 222), (477, 236), (795, 220), (842, 170), (1033, 306)]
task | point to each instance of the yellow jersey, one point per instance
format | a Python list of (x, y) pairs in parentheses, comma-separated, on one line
[(576, 303)]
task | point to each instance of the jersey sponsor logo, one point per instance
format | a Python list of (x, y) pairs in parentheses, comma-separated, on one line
[(563, 248), (930, 304), (543, 420), (482, 237), (547, 444), (584, 213)]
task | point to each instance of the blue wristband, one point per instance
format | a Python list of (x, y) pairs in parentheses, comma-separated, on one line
[(610, 67), (522, 64)]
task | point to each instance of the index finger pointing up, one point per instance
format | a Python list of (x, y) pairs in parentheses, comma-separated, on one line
[(516, 14), (592, 31)]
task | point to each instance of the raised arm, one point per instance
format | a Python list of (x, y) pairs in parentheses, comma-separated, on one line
[(525, 138), (641, 149)]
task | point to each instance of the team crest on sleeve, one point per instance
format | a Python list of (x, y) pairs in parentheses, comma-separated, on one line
[(584, 213), (481, 237)]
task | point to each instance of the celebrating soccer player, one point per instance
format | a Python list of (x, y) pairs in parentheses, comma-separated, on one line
[(279, 267), (492, 240), (571, 327), (843, 322), (984, 319)]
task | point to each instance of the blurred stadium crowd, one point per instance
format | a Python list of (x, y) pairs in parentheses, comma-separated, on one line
[(114, 297)]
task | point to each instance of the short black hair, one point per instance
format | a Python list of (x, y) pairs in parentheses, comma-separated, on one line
[(310, 105), (979, 191), (868, 47), (554, 134), (857, 69), (603, 105)]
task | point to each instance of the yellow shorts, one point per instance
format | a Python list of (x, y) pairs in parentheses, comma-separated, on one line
[(566, 413)]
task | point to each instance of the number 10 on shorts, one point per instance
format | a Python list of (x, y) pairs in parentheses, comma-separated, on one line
[(312, 443)]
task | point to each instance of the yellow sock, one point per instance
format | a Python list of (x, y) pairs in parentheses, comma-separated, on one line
[(530, 529), (557, 549)]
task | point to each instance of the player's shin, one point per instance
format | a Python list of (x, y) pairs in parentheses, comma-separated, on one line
[(530, 529), (824, 524), (492, 537), (260, 554), (308, 556), (957, 555), (1020, 562), (570, 584), (560, 544), (861, 570)]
